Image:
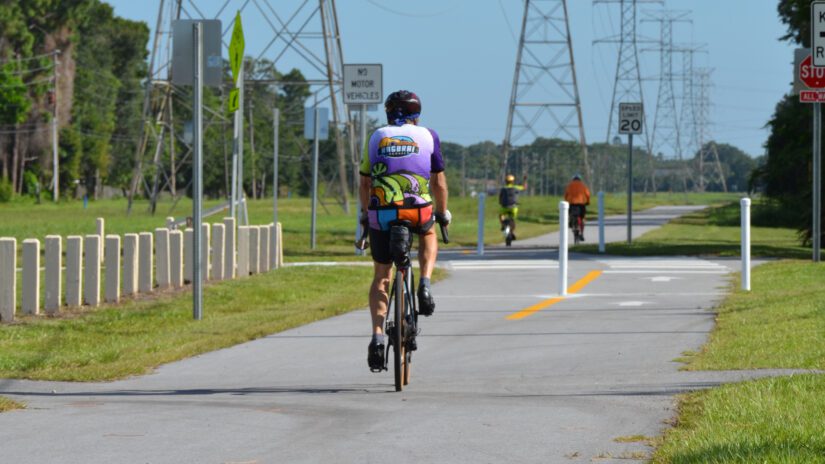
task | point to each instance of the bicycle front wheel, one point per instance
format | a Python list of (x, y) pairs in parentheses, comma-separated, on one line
[(399, 351)]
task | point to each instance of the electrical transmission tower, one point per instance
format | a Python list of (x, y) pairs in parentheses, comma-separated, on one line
[(300, 34), (708, 159), (666, 131), (544, 101), (627, 86)]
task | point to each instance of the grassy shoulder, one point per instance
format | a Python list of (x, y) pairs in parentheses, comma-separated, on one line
[(135, 337), (713, 231), (9, 405), (779, 324)]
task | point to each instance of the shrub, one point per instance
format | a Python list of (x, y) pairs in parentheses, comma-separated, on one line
[(6, 191)]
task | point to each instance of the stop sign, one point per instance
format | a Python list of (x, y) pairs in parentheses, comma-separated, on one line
[(812, 76)]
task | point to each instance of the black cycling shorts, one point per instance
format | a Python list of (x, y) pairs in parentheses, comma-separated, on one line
[(582, 210), (380, 241)]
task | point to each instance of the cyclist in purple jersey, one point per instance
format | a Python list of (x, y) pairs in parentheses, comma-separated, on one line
[(402, 171)]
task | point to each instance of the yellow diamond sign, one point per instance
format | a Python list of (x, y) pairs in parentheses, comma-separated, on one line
[(236, 48)]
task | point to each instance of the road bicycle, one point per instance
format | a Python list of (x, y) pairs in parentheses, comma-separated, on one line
[(401, 325), (507, 226), (577, 223)]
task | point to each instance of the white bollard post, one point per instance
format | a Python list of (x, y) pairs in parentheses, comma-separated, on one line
[(205, 238), (130, 264), (243, 251), (254, 249), (218, 243), (145, 264), (54, 274), (74, 270), (112, 259), (91, 271), (30, 299), (564, 207), (481, 208), (601, 222), (176, 258), (263, 261), (8, 278), (162, 258), (746, 243), (188, 256), (100, 224), (170, 223), (229, 248)]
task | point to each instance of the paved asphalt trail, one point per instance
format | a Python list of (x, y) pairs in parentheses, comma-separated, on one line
[(556, 386)]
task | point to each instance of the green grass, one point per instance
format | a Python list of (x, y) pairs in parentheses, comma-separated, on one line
[(779, 324), (9, 405), (133, 338), (714, 231), (777, 420)]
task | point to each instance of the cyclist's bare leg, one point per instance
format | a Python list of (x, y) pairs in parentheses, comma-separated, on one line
[(379, 296), (427, 252)]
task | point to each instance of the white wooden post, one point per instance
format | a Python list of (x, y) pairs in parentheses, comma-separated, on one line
[(74, 270), (254, 249), (131, 257), (229, 248), (218, 243), (8, 278), (100, 224), (243, 251), (263, 261), (601, 222), (188, 257), (170, 223), (30, 299), (112, 260), (54, 274), (162, 258), (280, 231), (91, 271), (176, 258), (145, 264)]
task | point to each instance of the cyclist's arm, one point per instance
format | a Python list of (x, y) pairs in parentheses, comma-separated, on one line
[(438, 186), (366, 181)]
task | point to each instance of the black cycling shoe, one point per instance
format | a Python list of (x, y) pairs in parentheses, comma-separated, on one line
[(375, 356), (426, 304)]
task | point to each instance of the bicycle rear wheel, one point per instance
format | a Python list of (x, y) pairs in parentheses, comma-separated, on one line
[(399, 350)]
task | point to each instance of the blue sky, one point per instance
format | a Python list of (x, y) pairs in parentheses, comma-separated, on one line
[(459, 56)]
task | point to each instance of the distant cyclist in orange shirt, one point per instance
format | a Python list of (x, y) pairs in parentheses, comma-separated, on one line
[(578, 195)]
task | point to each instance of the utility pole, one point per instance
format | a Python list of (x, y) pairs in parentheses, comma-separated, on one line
[(544, 99)]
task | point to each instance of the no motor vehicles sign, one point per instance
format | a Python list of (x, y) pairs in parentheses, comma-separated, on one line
[(363, 84)]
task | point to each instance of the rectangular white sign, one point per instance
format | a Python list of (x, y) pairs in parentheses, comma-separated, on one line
[(818, 33), (363, 84), (323, 123), (631, 118)]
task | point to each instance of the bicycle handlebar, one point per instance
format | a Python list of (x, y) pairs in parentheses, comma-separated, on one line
[(363, 244)]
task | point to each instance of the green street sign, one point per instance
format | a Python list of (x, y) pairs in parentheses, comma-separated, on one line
[(234, 97), (236, 48)]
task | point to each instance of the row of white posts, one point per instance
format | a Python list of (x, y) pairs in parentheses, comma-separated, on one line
[(564, 208), (149, 261)]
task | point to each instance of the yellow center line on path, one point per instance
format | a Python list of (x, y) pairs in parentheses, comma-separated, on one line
[(575, 288)]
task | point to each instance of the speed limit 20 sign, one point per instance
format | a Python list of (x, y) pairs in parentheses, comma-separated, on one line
[(631, 118)]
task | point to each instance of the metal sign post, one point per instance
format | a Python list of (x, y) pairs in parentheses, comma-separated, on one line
[(363, 140), (631, 121), (197, 183), (236, 52), (315, 147), (194, 41), (276, 119), (809, 83)]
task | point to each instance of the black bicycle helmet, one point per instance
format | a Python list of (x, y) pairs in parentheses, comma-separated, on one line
[(401, 106)]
